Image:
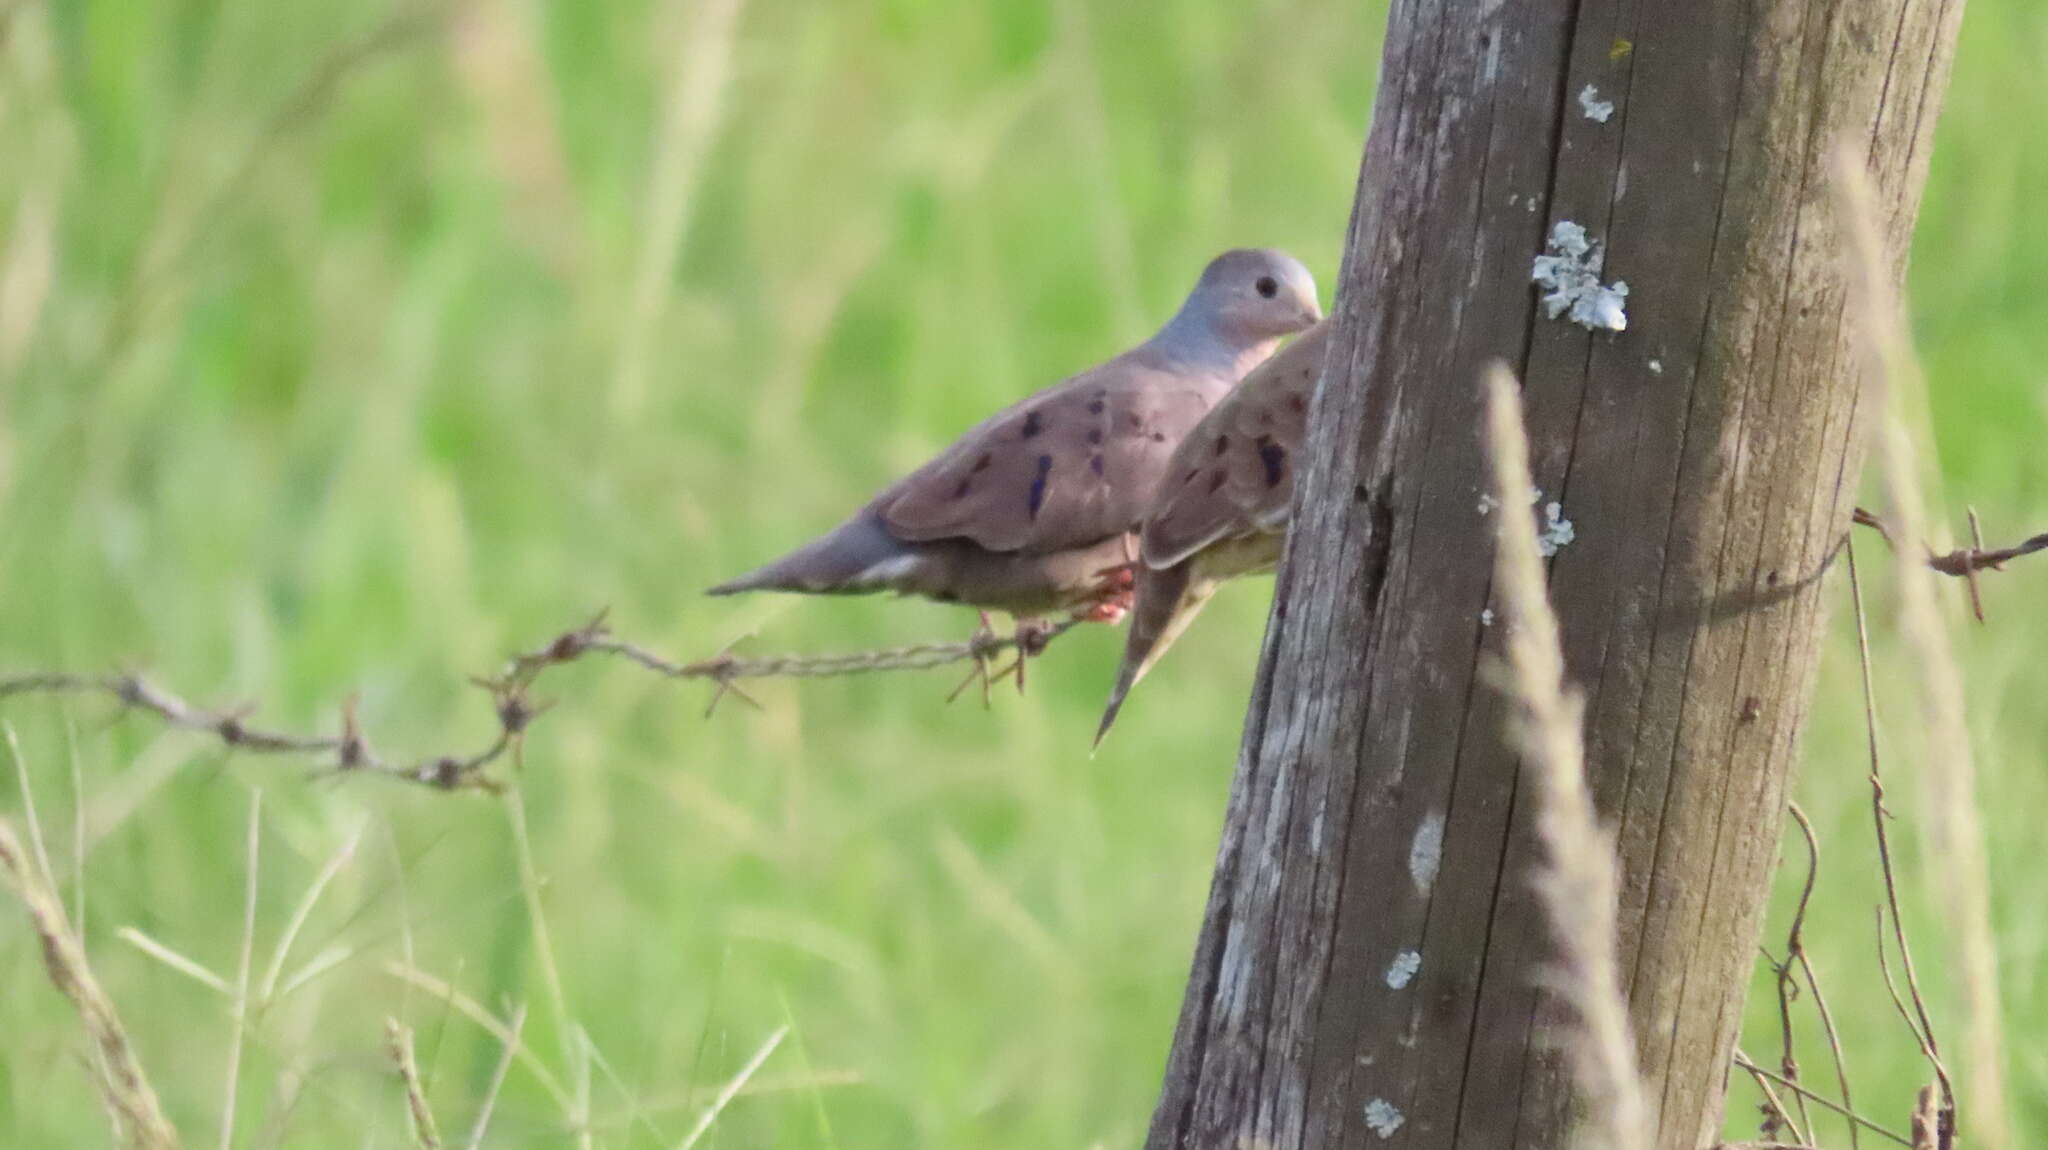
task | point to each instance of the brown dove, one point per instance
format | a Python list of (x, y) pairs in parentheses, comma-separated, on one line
[(1223, 509), (1033, 510)]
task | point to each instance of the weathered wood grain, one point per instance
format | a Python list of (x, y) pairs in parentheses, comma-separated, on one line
[(1707, 458)]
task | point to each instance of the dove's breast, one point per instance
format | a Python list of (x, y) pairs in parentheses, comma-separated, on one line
[(958, 571)]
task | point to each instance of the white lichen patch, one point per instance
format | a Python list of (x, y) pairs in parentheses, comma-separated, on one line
[(1402, 970), (1656, 367), (1383, 1118), (1486, 617), (1569, 274), (1426, 851), (1557, 530), (1595, 108)]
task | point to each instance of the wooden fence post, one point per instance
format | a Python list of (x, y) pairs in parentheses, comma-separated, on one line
[(1367, 971)]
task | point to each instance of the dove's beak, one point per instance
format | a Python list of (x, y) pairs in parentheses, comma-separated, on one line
[(1311, 316)]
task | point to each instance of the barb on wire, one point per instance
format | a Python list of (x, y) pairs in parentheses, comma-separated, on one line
[(1965, 562), (511, 693)]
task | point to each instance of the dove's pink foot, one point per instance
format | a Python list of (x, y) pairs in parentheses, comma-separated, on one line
[(1110, 610), (1112, 598), (1123, 577)]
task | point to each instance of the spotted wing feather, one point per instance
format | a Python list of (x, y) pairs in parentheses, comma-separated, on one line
[(1068, 467), (1233, 476)]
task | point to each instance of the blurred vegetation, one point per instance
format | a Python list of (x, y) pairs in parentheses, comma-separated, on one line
[(348, 351)]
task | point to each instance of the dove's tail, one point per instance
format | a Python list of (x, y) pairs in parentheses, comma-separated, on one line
[(1167, 601), (857, 556)]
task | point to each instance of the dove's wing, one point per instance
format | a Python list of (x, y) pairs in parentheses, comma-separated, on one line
[(1233, 476), (1223, 510), (1068, 467)]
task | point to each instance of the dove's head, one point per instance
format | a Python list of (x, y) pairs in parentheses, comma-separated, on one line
[(1247, 296)]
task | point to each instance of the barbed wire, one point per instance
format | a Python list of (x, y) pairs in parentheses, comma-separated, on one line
[(511, 694), (1964, 562), (511, 689)]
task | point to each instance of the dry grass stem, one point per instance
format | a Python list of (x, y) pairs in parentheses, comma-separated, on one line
[(508, 1049), (690, 121), (328, 959), (810, 1082), (1577, 885), (268, 992), (398, 1044), (239, 1011), (123, 1086), (189, 967), (494, 46), (1958, 838), (732, 1089), (574, 1054), (469, 1008), (78, 841), (28, 803)]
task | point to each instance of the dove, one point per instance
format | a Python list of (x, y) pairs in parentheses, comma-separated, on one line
[(1033, 510), (1223, 509)]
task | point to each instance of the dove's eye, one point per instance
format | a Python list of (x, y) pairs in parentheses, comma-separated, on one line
[(1267, 287)]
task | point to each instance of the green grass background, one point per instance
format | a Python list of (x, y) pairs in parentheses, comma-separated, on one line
[(333, 361)]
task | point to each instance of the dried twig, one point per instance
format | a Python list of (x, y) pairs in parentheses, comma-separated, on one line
[(1951, 774), (1926, 1120), (1787, 982), (1907, 1013), (1577, 886), (398, 1044), (118, 1073), (1917, 1017), (1796, 951), (511, 693), (1776, 1114), (1743, 1062)]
